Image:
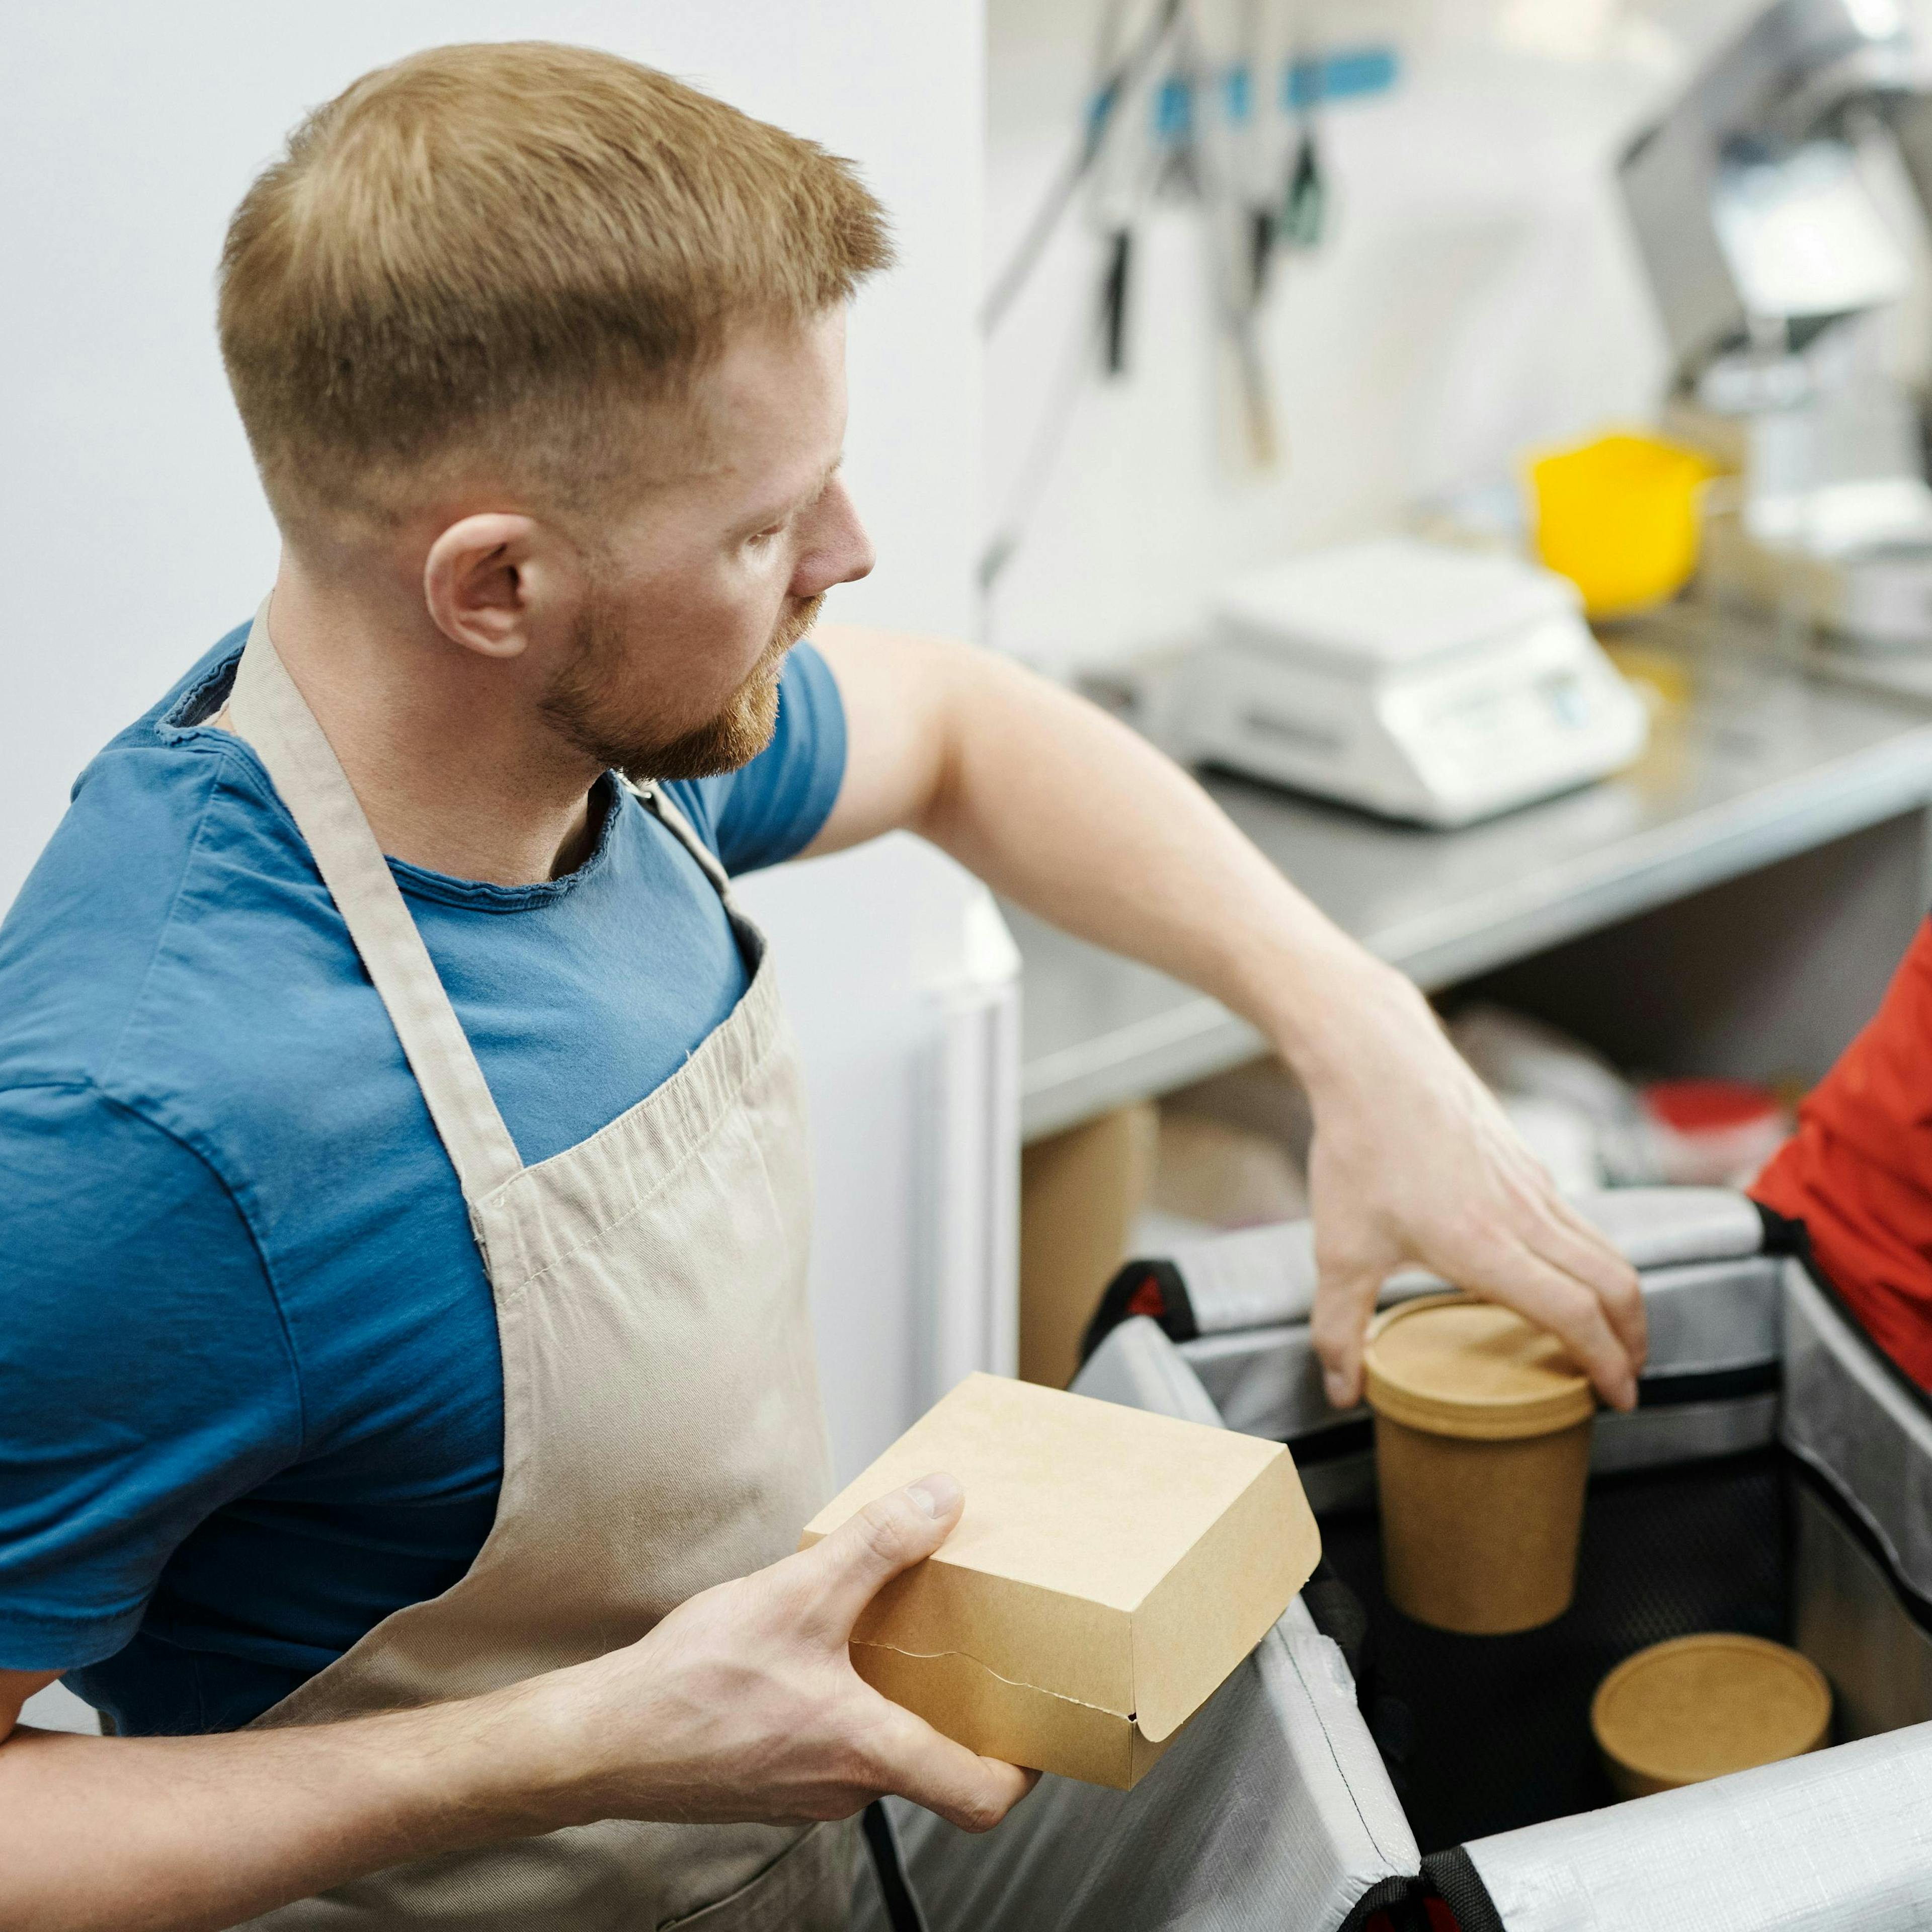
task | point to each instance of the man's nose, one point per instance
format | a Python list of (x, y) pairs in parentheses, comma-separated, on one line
[(839, 551)]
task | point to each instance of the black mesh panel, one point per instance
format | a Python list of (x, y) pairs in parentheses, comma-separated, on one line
[(1483, 1734)]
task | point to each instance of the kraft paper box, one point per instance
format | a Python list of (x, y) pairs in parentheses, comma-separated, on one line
[(1110, 1570)]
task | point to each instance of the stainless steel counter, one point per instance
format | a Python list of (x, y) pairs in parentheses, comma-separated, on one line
[(1762, 761)]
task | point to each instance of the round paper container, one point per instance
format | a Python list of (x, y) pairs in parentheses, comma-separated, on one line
[(1482, 1452), (1703, 1706)]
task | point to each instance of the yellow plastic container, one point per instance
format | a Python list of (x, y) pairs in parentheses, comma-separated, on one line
[(1622, 518)]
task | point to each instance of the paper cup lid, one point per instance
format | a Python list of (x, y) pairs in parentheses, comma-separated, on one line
[(1704, 1706), (1452, 1366)]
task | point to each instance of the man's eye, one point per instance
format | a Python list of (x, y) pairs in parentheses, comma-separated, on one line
[(766, 536)]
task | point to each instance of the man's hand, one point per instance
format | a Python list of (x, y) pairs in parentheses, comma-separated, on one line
[(743, 1703), (1414, 1163), (1066, 810)]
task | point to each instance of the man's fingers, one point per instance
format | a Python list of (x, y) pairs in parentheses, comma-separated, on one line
[(1344, 1303), (966, 1790), (1571, 1311), (862, 1555), (1568, 1241)]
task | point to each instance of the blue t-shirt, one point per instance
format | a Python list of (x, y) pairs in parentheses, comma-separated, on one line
[(250, 1398)]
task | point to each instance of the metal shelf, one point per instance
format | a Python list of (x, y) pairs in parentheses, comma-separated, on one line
[(1762, 761)]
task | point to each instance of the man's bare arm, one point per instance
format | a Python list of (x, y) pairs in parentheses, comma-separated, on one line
[(1061, 807), (177, 1833), (742, 1704)]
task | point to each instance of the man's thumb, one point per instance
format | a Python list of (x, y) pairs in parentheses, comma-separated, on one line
[(1344, 1305), (886, 1537)]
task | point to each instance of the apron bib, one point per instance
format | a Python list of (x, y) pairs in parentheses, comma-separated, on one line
[(662, 1430)]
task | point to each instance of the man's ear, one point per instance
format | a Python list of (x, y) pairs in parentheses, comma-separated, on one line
[(490, 580)]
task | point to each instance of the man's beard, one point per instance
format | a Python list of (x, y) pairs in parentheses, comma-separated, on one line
[(580, 704)]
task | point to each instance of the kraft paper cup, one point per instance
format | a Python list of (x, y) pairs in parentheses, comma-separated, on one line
[(1705, 1706), (1482, 1451)]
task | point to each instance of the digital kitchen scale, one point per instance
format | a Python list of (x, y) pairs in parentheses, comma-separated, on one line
[(1425, 682)]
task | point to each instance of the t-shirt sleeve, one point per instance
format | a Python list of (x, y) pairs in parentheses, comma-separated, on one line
[(772, 809), (145, 1378)]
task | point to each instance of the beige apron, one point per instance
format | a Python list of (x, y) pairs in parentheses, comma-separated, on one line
[(661, 1425)]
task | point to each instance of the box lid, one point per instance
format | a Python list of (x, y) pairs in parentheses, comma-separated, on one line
[(1124, 1560)]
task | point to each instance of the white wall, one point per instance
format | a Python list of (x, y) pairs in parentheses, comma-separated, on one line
[(134, 530), (1479, 296)]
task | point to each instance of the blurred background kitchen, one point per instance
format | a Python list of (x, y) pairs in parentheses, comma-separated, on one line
[(1487, 436), (1636, 293)]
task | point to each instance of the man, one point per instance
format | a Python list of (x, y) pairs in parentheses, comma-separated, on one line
[(406, 1395)]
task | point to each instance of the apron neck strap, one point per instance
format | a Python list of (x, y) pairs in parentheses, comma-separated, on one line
[(267, 711), (658, 802)]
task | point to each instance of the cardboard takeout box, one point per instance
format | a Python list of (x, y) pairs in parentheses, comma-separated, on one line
[(1110, 1569)]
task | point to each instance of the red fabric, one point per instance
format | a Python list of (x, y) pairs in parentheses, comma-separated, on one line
[(1858, 1171)]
